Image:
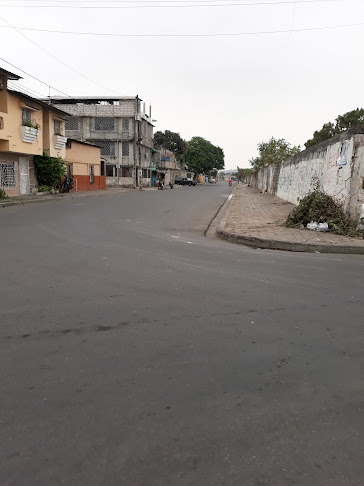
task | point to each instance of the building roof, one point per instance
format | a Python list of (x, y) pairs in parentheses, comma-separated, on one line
[(91, 99), (23, 96), (9, 75), (84, 143)]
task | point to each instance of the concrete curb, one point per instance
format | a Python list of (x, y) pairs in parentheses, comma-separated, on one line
[(255, 242)]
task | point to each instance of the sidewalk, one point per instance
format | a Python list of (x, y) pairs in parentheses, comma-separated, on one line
[(12, 201), (256, 219)]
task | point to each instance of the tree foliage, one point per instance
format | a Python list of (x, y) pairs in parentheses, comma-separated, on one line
[(348, 120), (50, 170), (241, 174), (202, 156), (171, 141), (273, 152)]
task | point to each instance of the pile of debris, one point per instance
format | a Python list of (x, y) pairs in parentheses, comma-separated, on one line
[(318, 211)]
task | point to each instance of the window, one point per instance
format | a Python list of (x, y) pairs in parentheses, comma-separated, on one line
[(104, 124), (125, 124), (107, 147), (92, 174), (125, 149), (57, 127), (126, 172), (110, 170), (68, 143), (72, 123), (26, 116), (1, 123), (8, 175), (102, 168), (146, 174)]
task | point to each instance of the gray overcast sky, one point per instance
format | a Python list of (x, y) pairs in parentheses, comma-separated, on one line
[(234, 91)]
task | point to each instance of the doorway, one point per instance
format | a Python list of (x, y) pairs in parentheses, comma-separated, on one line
[(24, 175)]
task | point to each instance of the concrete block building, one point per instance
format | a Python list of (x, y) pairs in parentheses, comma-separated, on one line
[(120, 126)]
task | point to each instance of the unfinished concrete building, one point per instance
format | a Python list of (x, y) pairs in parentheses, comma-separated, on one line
[(120, 126)]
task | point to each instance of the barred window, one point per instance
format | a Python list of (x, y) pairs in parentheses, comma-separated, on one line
[(107, 147), (110, 170), (125, 149), (104, 124), (72, 123), (57, 127), (8, 175), (126, 172), (125, 124), (26, 116)]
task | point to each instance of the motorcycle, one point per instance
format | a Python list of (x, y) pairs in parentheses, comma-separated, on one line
[(67, 185), (170, 185), (230, 183)]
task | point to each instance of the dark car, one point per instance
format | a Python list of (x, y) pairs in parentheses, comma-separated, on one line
[(188, 182)]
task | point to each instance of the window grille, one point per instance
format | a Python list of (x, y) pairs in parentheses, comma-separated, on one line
[(26, 116), (125, 149), (57, 127), (8, 175), (125, 124), (104, 124), (72, 124), (107, 147), (110, 170), (126, 172)]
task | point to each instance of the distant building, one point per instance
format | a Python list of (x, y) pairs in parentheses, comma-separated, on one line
[(120, 126)]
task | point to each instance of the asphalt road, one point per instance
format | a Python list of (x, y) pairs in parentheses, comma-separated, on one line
[(137, 351)]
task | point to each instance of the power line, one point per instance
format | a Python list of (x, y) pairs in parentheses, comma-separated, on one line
[(37, 79), (245, 4), (56, 58), (224, 34), (17, 85)]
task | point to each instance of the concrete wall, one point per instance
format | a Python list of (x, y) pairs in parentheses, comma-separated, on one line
[(338, 164)]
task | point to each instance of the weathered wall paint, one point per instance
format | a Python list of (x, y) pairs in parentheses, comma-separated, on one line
[(337, 164)]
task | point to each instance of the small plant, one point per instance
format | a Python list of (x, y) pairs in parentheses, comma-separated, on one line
[(44, 188), (30, 124), (3, 194)]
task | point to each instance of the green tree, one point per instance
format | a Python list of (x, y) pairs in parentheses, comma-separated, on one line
[(273, 152), (202, 156), (171, 141), (243, 173), (348, 120), (50, 170)]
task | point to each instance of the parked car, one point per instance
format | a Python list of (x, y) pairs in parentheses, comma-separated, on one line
[(212, 181), (184, 181)]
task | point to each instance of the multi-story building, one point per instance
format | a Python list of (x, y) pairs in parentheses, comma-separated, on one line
[(28, 127), (167, 167), (120, 126)]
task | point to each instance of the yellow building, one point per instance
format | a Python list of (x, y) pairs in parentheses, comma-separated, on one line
[(28, 127)]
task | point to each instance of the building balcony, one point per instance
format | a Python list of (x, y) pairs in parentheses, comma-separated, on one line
[(59, 141), (29, 134)]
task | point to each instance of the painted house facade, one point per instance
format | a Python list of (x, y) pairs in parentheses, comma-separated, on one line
[(28, 127), (83, 162)]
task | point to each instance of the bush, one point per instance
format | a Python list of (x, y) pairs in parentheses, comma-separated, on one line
[(3, 194), (320, 207), (50, 171), (44, 188)]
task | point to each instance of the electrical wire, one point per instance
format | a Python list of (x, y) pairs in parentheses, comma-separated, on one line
[(246, 4), (223, 34), (37, 79), (16, 86), (56, 58)]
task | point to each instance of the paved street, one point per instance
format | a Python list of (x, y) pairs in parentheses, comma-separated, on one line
[(136, 351)]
